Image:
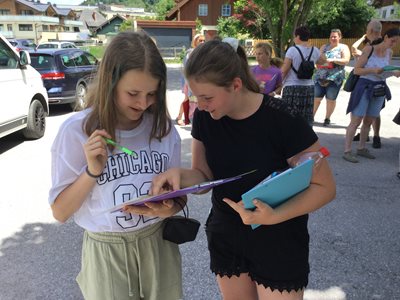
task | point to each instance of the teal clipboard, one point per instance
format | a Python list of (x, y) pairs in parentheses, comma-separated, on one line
[(276, 190), (391, 68)]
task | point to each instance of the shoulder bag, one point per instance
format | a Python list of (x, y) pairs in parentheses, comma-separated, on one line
[(353, 78)]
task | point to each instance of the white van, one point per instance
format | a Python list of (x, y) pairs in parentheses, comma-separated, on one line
[(23, 98)]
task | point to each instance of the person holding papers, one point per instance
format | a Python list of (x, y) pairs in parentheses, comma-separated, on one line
[(236, 129), (370, 92), (108, 154)]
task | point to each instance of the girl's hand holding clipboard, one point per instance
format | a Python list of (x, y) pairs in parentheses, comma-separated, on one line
[(261, 214)]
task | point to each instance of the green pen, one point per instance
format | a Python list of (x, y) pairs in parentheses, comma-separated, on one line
[(122, 148)]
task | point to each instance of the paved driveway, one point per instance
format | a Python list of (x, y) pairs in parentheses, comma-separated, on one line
[(354, 240)]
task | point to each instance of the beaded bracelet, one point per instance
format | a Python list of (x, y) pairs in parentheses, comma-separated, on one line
[(90, 174)]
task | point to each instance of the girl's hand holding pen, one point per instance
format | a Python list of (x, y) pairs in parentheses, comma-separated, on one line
[(122, 148), (96, 151)]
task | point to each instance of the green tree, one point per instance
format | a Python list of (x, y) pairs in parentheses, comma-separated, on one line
[(282, 17), (199, 26), (351, 17), (163, 7), (396, 8), (228, 26), (128, 3), (127, 25), (277, 19), (252, 18)]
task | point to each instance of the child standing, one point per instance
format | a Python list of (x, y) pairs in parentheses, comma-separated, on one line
[(270, 262), (267, 73), (124, 255), (185, 108)]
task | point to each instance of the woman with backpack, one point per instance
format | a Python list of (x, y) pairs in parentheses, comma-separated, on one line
[(297, 71)]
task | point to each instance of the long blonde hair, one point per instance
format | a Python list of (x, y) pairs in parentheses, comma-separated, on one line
[(267, 47)]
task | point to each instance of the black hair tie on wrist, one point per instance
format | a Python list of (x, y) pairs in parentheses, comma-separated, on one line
[(90, 174)]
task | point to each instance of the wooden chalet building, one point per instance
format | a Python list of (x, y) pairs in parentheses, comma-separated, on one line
[(207, 11)]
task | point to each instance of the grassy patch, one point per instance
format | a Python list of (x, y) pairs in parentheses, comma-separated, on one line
[(97, 51)]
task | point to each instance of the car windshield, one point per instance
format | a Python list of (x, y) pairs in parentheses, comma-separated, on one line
[(30, 44), (47, 46), (42, 61)]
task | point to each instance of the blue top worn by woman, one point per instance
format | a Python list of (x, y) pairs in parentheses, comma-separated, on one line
[(335, 72)]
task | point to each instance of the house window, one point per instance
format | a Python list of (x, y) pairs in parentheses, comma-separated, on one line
[(45, 27), (392, 11), (4, 12), (203, 10), (384, 14), (27, 12), (225, 10), (25, 27), (9, 27)]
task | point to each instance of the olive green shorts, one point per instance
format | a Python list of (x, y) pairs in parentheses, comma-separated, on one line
[(130, 265)]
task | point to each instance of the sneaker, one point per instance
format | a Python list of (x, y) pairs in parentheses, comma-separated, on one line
[(365, 153), (327, 122), (376, 142), (357, 138), (350, 157)]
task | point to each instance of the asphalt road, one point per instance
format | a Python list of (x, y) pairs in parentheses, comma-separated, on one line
[(355, 243)]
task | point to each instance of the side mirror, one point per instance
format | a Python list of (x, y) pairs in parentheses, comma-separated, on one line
[(24, 58)]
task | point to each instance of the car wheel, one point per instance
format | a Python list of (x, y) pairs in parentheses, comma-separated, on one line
[(36, 123), (80, 97)]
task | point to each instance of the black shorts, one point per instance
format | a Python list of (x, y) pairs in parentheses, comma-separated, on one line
[(275, 256)]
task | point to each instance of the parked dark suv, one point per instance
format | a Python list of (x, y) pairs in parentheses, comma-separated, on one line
[(66, 74), (22, 44)]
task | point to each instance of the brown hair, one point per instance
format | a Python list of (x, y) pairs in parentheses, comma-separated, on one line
[(303, 32), (217, 62), (127, 51), (337, 31)]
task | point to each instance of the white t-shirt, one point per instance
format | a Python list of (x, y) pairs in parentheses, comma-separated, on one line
[(294, 55), (124, 177)]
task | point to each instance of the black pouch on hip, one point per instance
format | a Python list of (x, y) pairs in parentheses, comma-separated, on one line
[(179, 229), (379, 90)]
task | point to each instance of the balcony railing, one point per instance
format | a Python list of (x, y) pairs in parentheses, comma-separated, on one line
[(44, 20), (30, 19), (73, 23)]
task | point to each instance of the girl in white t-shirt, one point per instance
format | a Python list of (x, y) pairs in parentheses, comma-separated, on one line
[(124, 255)]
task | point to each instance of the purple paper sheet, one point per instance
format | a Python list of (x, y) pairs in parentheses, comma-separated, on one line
[(178, 193)]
